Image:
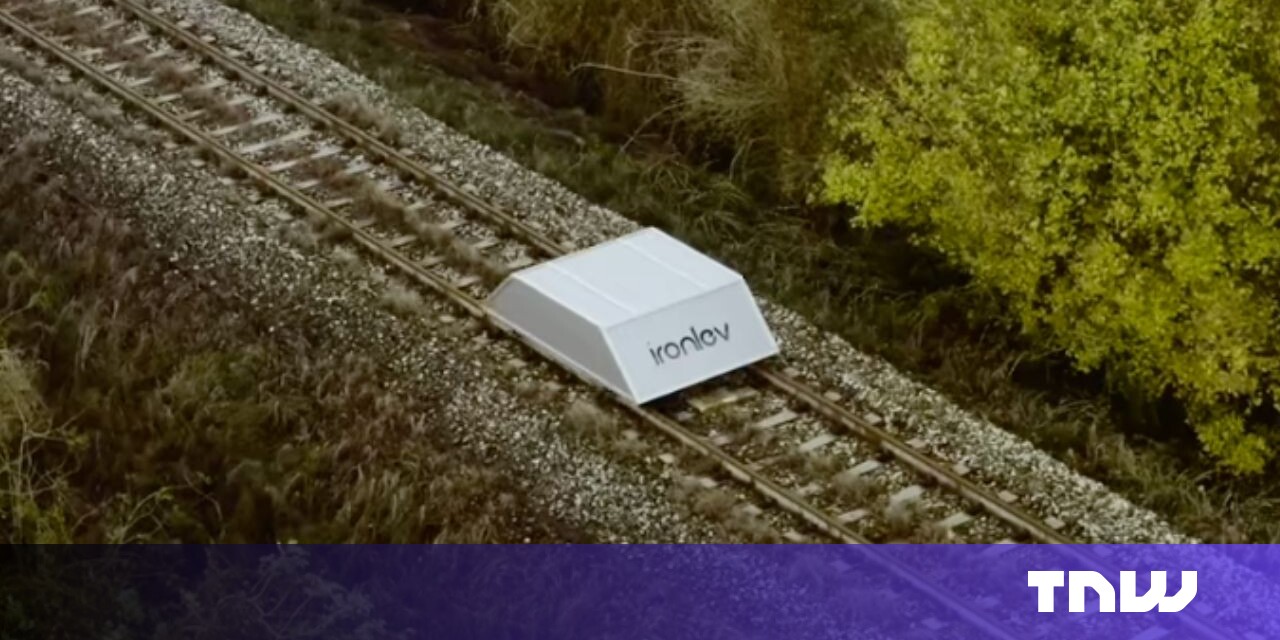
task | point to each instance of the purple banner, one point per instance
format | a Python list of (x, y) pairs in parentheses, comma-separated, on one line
[(641, 592)]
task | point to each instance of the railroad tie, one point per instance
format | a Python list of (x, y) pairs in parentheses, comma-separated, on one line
[(906, 496), (167, 98), (233, 102), (817, 443), (258, 121), (795, 537), (776, 420), (113, 25), (325, 152), (850, 517), (722, 397), (285, 165), (296, 134), (336, 203), (811, 489), (403, 241), (955, 521), (860, 469), (466, 281), (142, 82), (356, 169)]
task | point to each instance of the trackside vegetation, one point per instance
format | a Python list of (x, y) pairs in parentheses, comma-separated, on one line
[(1110, 169), (138, 406)]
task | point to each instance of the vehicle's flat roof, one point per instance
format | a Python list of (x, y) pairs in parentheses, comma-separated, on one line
[(628, 277)]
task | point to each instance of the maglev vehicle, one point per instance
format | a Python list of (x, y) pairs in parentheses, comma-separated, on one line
[(643, 315)]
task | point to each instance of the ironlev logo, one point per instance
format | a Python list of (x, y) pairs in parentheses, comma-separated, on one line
[(1130, 602), (696, 340)]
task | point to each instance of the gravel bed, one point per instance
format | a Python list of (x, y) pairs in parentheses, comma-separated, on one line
[(201, 225), (1049, 487)]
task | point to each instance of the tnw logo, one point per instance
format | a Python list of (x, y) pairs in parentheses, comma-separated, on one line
[(696, 340), (1130, 601)]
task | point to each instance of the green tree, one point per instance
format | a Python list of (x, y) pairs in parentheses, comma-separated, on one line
[(1110, 168)]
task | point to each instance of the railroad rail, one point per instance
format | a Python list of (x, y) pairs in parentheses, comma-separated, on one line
[(431, 269)]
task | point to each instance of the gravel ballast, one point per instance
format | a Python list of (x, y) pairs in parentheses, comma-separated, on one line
[(1047, 486)]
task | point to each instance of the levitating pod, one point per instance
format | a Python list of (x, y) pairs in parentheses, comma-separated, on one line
[(644, 315)]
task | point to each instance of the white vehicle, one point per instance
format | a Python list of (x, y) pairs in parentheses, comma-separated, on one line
[(643, 315)]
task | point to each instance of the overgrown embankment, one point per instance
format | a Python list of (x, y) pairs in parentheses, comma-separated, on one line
[(139, 405)]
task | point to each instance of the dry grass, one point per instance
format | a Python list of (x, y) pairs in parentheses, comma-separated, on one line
[(714, 504), (821, 465), (204, 427), (630, 448), (357, 110), (855, 488), (328, 170), (33, 495), (219, 108), (902, 519), (590, 421), (403, 301), (756, 76), (751, 527), (173, 77)]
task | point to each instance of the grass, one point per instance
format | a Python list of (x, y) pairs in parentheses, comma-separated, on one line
[(137, 407), (882, 295)]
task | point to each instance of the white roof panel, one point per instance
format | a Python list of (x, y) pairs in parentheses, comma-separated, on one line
[(629, 277)]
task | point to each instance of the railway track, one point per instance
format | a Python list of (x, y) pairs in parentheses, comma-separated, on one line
[(765, 427)]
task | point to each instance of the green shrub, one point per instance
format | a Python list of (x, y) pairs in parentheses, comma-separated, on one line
[(1109, 167)]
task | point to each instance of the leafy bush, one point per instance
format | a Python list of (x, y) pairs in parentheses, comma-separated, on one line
[(1110, 168)]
